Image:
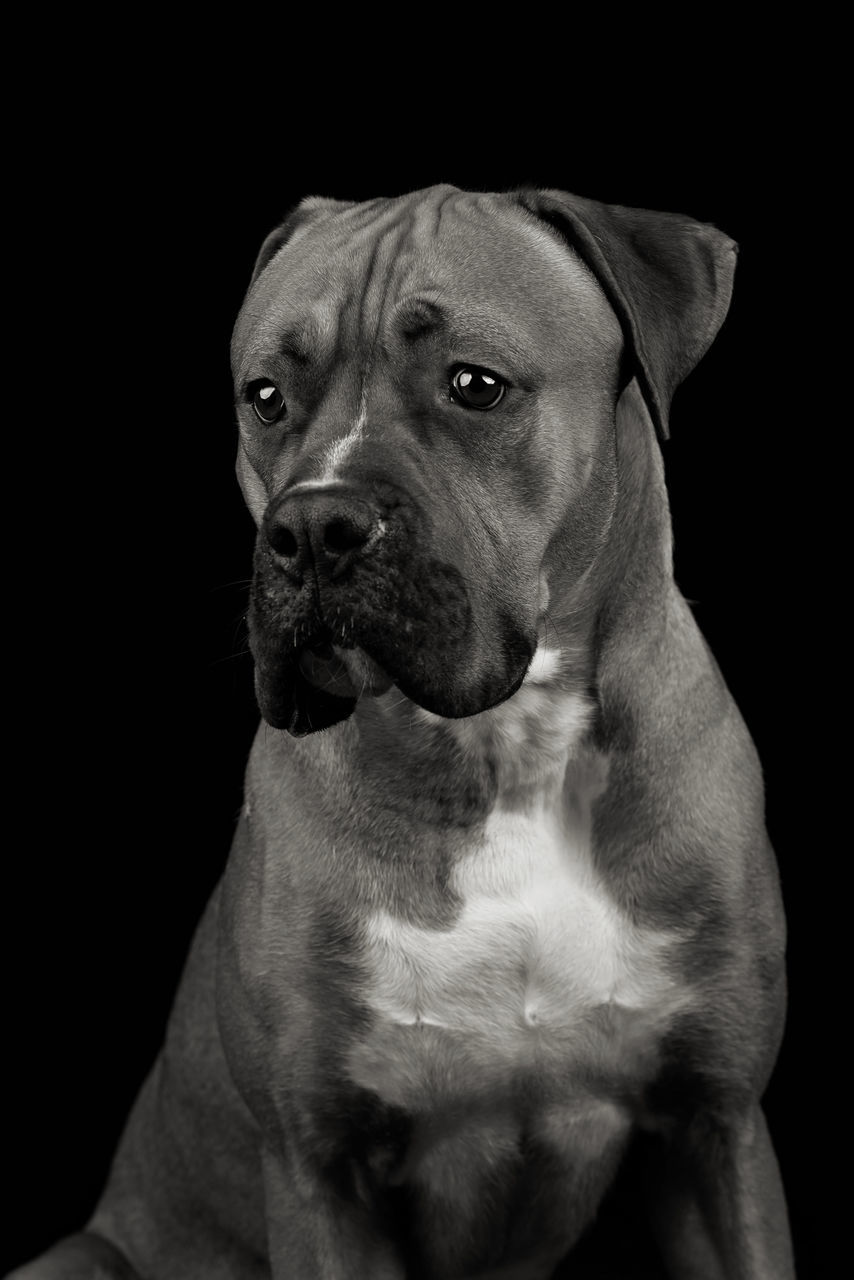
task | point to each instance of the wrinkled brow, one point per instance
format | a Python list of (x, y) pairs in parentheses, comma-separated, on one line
[(417, 317), (300, 344), (304, 341)]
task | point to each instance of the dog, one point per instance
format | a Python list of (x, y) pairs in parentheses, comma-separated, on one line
[(500, 905)]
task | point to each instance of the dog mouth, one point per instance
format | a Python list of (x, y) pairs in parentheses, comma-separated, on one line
[(320, 684), (343, 673), (407, 622)]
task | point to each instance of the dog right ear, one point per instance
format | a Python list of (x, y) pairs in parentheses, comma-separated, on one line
[(308, 211)]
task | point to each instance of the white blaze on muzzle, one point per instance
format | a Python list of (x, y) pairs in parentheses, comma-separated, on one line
[(340, 450)]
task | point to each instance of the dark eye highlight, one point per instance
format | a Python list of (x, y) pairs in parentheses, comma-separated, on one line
[(267, 401), (476, 388)]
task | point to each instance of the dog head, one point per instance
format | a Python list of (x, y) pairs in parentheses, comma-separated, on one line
[(426, 391)]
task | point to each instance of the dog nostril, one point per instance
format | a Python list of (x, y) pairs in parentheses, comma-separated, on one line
[(283, 541), (342, 535)]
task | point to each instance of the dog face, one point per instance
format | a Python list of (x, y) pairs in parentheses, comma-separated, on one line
[(425, 390)]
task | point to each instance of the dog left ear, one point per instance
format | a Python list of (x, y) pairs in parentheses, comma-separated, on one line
[(668, 278)]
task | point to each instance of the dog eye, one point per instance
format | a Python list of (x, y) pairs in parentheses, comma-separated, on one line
[(267, 401), (476, 388)]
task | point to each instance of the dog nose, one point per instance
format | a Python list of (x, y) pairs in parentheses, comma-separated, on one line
[(327, 527)]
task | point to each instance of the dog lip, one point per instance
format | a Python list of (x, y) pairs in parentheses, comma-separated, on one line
[(343, 672), (323, 669)]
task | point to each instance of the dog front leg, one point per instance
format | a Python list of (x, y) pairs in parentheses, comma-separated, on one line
[(317, 1235), (717, 1202)]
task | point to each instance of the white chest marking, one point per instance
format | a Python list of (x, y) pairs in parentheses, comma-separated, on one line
[(537, 947)]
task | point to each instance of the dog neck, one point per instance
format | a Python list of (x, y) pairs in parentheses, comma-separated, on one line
[(633, 578)]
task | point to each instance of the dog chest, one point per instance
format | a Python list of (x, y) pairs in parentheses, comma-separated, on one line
[(539, 972)]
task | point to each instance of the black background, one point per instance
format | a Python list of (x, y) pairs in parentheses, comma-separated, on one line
[(133, 550)]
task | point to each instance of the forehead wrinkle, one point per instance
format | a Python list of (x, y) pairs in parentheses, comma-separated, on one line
[(306, 337), (481, 329), (303, 341), (468, 333), (298, 343), (416, 317)]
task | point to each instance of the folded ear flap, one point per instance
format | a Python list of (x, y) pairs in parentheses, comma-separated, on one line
[(312, 209), (668, 278)]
